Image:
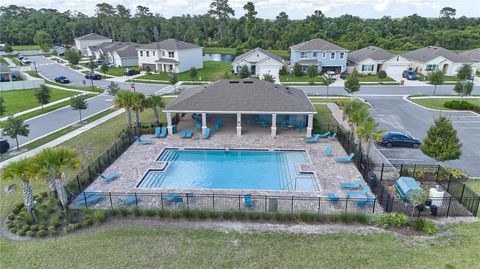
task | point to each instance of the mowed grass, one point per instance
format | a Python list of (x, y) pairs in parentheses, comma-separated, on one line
[(292, 78), (211, 71), (324, 116), (3, 61), (374, 78), (437, 103), (26, 47), (118, 71), (20, 100), (211, 50)]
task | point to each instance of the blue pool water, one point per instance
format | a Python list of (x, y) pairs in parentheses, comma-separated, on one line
[(234, 169)]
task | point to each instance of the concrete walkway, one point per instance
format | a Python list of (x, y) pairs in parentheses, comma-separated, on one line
[(64, 138), (10, 62)]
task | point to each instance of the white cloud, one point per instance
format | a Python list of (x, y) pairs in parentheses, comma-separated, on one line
[(381, 5)]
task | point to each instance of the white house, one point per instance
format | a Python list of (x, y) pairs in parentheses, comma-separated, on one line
[(124, 56), (433, 58), (259, 62), (170, 55), (474, 56), (92, 39), (368, 60)]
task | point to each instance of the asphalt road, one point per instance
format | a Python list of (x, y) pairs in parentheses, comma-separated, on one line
[(395, 114)]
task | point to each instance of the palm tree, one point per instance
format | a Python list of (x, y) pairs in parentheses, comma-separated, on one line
[(56, 161), (155, 102), (18, 170), (138, 105), (124, 100), (368, 131)]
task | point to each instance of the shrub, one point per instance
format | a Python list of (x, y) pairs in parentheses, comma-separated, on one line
[(174, 214), (30, 233), (137, 212), (320, 218), (26, 227), (21, 232), (460, 105), (70, 217), (333, 217), (52, 230), (390, 220), (17, 208), (162, 213), (11, 216), (75, 226), (360, 218), (382, 74), (41, 233), (112, 212), (212, 214), (227, 215), (202, 214), (457, 174), (239, 215), (54, 220), (13, 230), (123, 211), (10, 225), (42, 227), (346, 218), (305, 216), (67, 229), (253, 216), (186, 214), (99, 216), (87, 222), (150, 212), (425, 226), (266, 216)]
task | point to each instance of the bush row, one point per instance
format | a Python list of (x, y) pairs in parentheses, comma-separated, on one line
[(461, 105)]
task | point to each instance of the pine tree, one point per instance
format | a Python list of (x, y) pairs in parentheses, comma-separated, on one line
[(442, 142), (43, 95), (244, 72)]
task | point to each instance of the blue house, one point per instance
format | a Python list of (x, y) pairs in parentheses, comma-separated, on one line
[(324, 55)]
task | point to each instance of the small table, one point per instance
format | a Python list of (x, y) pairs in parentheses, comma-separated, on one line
[(358, 197)]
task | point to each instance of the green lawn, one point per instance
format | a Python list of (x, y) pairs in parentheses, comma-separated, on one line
[(450, 78), (86, 88), (210, 50), (3, 61), (211, 71), (292, 78), (26, 47), (118, 71), (17, 62), (324, 116), (374, 78), (20, 100), (437, 103), (474, 185)]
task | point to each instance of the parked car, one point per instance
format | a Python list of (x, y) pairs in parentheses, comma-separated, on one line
[(26, 61), (395, 139), (410, 75), (131, 72), (330, 74), (20, 57), (93, 76), (62, 79), (98, 62)]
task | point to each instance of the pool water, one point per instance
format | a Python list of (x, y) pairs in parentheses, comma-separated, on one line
[(234, 169)]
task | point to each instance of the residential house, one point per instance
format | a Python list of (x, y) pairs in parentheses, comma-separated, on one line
[(170, 55), (473, 56), (324, 55), (433, 58), (259, 62), (115, 53), (370, 60), (92, 39)]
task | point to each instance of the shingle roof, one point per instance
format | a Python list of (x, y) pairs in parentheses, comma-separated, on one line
[(266, 52), (431, 52), (308, 62), (128, 51), (242, 96), (166, 60), (169, 44), (115, 46), (4, 69), (372, 52), (93, 36), (317, 44), (473, 55)]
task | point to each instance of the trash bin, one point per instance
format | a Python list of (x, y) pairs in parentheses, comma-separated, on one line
[(433, 210), (4, 145), (402, 82)]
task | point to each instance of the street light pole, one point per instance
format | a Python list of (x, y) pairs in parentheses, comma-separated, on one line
[(35, 64)]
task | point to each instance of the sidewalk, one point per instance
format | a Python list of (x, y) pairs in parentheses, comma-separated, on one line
[(10, 62), (64, 138)]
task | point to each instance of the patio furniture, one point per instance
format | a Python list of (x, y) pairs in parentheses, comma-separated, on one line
[(301, 126), (143, 141), (198, 126), (352, 185), (283, 124), (247, 200), (130, 200), (110, 176), (163, 133), (173, 198), (186, 134), (324, 134), (157, 131), (249, 122), (263, 123), (328, 151), (313, 139), (90, 200), (332, 197), (345, 159), (207, 133), (332, 137), (365, 190)]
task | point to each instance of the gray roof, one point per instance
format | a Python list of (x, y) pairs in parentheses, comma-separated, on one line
[(242, 96), (166, 60), (308, 62), (115, 46), (128, 51), (371, 52), (473, 55), (317, 44), (169, 44), (431, 52), (266, 52), (93, 36), (4, 69)]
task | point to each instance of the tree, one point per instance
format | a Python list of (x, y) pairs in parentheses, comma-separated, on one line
[(15, 127), (297, 70), (441, 142), (18, 171), (124, 99), (329, 81), (113, 88), (268, 77), (283, 71), (2, 105), (368, 131), (8, 48), (56, 162), (448, 12), (155, 102), (220, 10), (78, 103), (435, 78), (244, 72), (352, 84), (148, 70), (417, 198), (463, 88), (172, 78), (104, 68), (465, 72), (43, 95), (138, 105), (72, 56), (42, 38), (193, 73), (250, 14), (312, 72), (382, 74)]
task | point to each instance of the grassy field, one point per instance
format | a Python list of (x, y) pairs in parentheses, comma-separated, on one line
[(374, 78), (474, 185), (3, 61), (324, 116), (437, 103), (87, 88), (17, 62), (210, 50), (118, 71), (26, 47), (20, 100), (210, 71), (291, 78)]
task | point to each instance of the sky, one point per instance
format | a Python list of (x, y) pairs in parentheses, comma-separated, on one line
[(296, 9)]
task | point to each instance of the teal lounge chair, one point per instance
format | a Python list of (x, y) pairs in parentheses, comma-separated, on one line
[(332, 197), (109, 177), (346, 159), (130, 200), (143, 141), (365, 190), (163, 133), (90, 200), (324, 134), (247, 200), (186, 134), (328, 151), (332, 137), (157, 132), (313, 139), (207, 133), (368, 202), (198, 126), (173, 198), (352, 185)]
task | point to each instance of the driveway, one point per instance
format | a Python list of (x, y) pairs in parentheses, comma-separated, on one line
[(395, 114), (366, 91), (406, 82)]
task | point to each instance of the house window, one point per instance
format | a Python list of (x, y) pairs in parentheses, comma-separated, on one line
[(367, 67), (303, 55), (324, 55), (342, 55), (431, 67), (314, 54), (163, 53), (141, 53), (153, 52), (332, 55), (171, 54), (148, 53)]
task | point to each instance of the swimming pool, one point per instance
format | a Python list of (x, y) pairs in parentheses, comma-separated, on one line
[(233, 169)]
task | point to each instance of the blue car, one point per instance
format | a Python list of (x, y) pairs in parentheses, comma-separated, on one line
[(410, 75), (62, 79), (394, 139), (93, 76)]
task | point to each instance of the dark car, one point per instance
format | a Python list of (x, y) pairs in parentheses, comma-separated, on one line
[(62, 79), (93, 76), (410, 75), (131, 72), (394, 139)]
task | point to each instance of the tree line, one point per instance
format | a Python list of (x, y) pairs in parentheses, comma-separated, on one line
[(219, 27)]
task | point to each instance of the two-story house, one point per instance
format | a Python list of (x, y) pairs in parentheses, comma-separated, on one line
[(170, 55), (324, 55), (92, 39)]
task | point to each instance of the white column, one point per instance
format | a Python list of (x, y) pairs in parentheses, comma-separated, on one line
[(169, 123), (204, 122), (274, 125), (239, 124), (310, 125)]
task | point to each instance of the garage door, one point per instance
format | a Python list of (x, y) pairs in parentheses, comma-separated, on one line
[(395, 70), (269, 70)]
